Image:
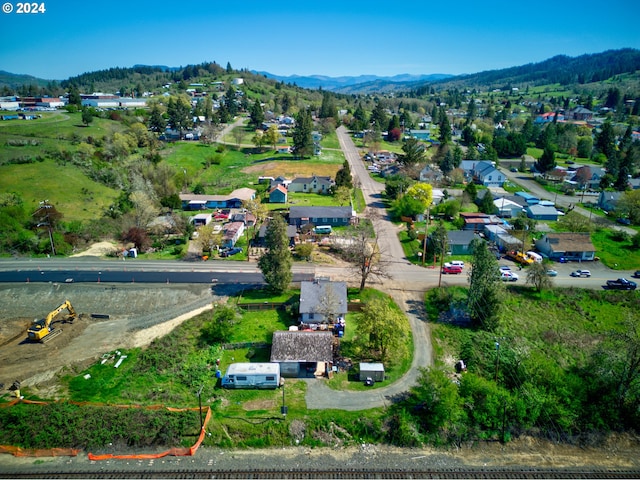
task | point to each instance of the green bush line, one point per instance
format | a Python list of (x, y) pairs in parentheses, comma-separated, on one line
[(66, 425)]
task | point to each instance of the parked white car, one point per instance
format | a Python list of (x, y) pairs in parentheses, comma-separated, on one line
[(507, 276)]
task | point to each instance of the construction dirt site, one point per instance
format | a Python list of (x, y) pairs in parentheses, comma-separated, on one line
[(109, 317)]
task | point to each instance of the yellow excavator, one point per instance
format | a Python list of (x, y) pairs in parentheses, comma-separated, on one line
[(41, 330)]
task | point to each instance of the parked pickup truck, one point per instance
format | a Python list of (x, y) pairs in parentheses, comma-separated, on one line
[(621, 284)]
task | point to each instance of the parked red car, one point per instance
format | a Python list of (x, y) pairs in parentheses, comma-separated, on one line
[(453, 269)]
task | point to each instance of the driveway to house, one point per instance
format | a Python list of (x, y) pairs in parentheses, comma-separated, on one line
[(407, 286)]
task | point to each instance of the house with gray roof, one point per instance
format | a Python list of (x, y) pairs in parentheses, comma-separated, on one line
[(542, 212), (334, 216), (313, 184), (460, 241), (609, 200), (303, 353), (322, 302)]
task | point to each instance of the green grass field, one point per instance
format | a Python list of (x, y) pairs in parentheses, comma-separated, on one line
[(74, 195)]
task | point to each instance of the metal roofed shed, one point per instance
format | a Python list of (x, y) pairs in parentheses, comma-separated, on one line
[(374, 371), (252, 376)]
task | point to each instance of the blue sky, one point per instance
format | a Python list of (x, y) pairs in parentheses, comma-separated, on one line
[(310, 37)]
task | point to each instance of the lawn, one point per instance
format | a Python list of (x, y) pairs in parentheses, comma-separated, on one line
[(614, 253), (65, 186)]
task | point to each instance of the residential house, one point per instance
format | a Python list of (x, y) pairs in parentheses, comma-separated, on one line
[(248, 218), (460, 241), (231, 233), (283, 149), (570, 246), (502, 238), (482, 172), (581, 114), (303, 353), (322, 302), (550, 117), (507, 208), (476, 221), (385, 156), (201, 219), (431, 174), (587, 177), (488, 175), (609, 200), (192, 201), (278, 194), (334, 216), (314, 184), (529, 198), (279, 180), (424, 135), (542, 212)]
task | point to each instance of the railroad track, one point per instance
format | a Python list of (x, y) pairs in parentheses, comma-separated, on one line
[(340, 474)]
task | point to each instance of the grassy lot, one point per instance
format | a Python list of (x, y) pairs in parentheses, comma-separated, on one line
[(220, 170), (614, 253), (73, 194)]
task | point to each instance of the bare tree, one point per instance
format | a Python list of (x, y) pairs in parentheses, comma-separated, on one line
[(366, 258), (329, 304)]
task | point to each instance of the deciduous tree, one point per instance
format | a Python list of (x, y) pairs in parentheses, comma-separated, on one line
[(384, 329), (537, 276)]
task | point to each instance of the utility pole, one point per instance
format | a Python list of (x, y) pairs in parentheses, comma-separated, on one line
[(47, 223), (200, 404), (426, 230)]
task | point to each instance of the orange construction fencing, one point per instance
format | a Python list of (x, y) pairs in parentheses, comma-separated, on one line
[(72, 452)]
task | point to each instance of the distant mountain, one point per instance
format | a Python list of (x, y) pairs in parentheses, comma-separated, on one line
[(560, 69), (349, 83), (15, 80)]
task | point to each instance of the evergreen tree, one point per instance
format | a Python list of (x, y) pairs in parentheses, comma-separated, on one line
[(413, 152), (472, 190), (343, 176), (547, 161), (302, 140), (276, 262), (156, 121), (379, 118), (74, 96), (179, 112), (484, 300), (229, 69), (256, 115), (446, 164), (360, 121), (471, 111), (486, 204), (328, 108), (393, 123), (230, 101), (606, 141), (444, 135)]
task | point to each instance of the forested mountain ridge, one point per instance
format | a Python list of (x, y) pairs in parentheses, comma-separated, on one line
[(560, 69)]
